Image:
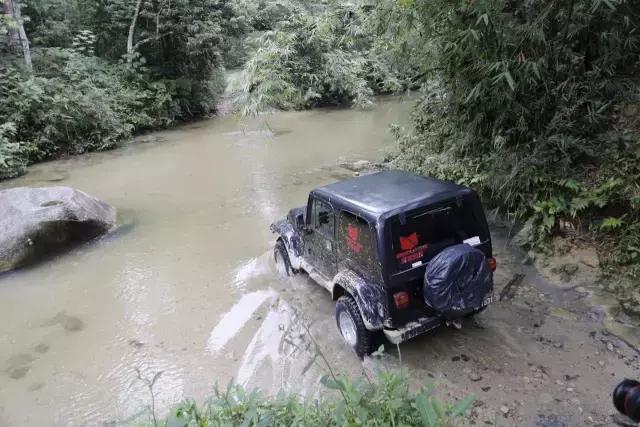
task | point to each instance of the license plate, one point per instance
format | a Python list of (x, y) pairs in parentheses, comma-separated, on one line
[(488, 300)]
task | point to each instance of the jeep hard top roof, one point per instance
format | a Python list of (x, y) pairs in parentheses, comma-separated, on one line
[(387, 193)]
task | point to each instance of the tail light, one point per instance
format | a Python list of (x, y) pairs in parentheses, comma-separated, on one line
[(492, 263), (401, 300)]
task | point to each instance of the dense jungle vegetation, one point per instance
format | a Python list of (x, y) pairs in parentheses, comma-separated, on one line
[(81, 75), (534, 103)]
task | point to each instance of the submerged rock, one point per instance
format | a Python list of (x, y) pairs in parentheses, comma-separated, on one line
[(361, 166), (38, 222)]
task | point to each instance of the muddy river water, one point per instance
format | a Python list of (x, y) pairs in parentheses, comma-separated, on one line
[(187, 290)]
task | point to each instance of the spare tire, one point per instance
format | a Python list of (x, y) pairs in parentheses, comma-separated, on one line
[(457, 280)]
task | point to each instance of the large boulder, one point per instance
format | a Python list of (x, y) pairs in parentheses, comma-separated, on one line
[(39, 222)]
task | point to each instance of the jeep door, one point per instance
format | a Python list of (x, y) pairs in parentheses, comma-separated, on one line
[(320, 243)]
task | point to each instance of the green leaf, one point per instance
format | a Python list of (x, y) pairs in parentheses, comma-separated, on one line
[(510, 81), (425, 409), (438, 408), (536, 70), (548, 221), (462, 406), (484, 17), (473, 94), (332, 384), (610, 223)]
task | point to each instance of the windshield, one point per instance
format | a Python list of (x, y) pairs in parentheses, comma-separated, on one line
[(424, 234)]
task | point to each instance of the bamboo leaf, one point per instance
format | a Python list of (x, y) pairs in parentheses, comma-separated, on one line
[(510, 81), (484, 18)]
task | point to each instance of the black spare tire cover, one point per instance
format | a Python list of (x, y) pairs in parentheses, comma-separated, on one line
[(457, 280)]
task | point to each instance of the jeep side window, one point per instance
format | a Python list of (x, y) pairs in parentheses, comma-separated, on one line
[(323, 219), (357, 242)]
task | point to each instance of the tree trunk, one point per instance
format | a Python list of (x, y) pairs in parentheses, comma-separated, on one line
[(132, 30), (17, 34)]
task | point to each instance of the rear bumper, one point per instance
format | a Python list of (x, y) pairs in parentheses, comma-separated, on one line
[(413, 329), (425, 324)]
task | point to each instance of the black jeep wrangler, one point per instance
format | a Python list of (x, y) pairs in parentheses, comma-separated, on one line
[(400, 253)]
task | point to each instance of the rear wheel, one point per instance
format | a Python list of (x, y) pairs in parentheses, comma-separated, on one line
[(281, 258), (351, 327)]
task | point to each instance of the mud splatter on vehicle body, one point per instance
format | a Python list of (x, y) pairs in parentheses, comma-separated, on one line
[(370, 241)]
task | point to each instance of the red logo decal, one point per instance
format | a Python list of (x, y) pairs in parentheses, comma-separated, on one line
[(353, 232), (409, 242), (353, 237)]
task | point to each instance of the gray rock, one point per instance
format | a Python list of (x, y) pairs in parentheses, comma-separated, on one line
[(524, 236), (361, 166), (357, 166), (566, 271), (38, 222), (570, 269), (474, 376), (529, 258)]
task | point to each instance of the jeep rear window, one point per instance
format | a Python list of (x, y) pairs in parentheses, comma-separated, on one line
[(424, 234), (357, 242)]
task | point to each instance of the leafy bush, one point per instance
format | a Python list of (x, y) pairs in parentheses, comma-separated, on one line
[(12, 156), (388, 401), (105, 69), (88, 105), (525, 102), (184, 44), (315, 59)]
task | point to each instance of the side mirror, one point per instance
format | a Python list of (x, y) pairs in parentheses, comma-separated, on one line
[(302, 225)]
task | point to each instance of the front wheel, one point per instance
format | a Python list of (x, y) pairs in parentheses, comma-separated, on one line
[(351, 327)]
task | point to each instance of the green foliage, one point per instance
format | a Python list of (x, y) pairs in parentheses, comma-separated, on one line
[(88, 105), (12, 158), (184, 42), (264, 15), (315, 59), (90, 88), (531, 103), (386, 402), (572, 201)]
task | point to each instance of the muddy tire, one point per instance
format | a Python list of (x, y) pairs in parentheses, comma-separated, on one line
[(351, 327), (281, 258)]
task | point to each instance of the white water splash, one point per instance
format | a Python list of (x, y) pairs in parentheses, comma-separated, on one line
[(233, 321), (251, 269), (265, 345)]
